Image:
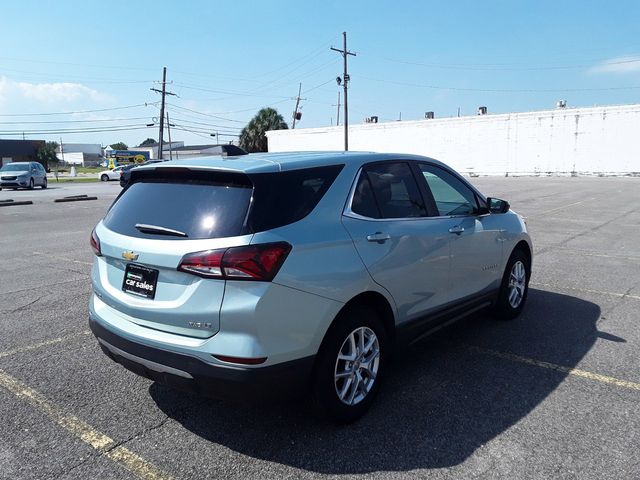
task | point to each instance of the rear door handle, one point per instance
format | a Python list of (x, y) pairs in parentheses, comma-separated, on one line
[(458, 229), (378, 237)]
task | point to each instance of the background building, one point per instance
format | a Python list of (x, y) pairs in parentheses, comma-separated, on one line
[(596, 140), (19, 150), (83, 154)]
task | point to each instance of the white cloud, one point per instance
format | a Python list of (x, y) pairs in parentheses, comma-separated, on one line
[(52, 94), (618, 65)]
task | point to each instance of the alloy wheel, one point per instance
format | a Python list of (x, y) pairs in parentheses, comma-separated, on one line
[(357, 365), (517, 284)]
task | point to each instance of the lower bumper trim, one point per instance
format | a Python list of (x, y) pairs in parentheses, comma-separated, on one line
[(185, 372), (146, 363)]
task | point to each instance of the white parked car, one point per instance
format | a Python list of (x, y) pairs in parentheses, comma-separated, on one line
[(113, 174)]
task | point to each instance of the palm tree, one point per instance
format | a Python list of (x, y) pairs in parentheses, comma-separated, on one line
[(253, 138)]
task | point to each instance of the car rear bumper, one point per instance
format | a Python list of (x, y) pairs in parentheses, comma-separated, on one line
[(184, 372)]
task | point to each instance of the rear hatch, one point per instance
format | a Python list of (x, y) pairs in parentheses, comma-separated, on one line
[(165, 214)]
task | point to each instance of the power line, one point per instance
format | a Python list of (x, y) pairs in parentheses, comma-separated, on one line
[(206, 124), (205, 130), (514, 66), (76, 78), (122, 128), (226, 92), (498, 90), (76, 112), (318, 86), (28, 122), (208, 114), (109, 67), (313, 55), (302, 76), (201, 132)]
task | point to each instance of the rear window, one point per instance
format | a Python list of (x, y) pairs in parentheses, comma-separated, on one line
[(198, 207), (216, 204)]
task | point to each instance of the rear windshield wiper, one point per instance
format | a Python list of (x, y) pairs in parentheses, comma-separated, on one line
[(144, 228)]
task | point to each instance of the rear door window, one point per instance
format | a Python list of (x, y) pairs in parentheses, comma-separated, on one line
[(388, 190)]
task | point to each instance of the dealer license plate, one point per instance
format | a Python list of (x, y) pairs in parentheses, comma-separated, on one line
[(140, 281)]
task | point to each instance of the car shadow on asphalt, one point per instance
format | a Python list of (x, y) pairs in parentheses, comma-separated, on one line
[(441, 400)]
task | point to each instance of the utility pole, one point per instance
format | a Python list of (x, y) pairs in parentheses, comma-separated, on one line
[(164, 93), (345, 80), (170, 144), (295, 112), (338, 114)]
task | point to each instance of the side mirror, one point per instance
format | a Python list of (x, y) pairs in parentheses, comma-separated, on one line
[(497, 205)]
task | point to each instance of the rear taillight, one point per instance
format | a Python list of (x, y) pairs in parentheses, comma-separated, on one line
[(206, 264), (252, 262), (94, 241)]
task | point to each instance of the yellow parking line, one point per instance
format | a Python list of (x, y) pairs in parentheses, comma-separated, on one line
[(552, 366), (586, 290), (57, 257), (45, 343), (99, 441)]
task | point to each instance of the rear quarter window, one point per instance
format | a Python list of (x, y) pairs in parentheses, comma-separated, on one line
[(286, 197)]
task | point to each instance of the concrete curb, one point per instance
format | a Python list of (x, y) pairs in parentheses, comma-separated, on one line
[(74, 198), (12, 203)]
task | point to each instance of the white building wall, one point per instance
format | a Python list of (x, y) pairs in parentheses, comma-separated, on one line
[(584, 140), (90, 148), (72, 158)]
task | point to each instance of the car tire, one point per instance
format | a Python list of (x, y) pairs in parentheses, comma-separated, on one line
[(31, 184), (514, 287), (104, 178), (44, 183), (344, 389)]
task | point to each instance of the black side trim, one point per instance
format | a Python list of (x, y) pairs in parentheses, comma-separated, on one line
[(419, 328)]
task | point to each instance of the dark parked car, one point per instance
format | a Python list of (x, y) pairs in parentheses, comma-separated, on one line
[(125, 177)]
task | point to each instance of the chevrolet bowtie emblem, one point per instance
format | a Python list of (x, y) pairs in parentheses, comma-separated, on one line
[(129, 255)]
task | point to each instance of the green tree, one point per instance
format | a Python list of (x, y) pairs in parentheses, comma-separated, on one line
[(119, 146), (148, 141), (253, 138), (46, 155)]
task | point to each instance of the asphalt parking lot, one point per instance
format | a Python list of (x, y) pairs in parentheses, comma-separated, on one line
[(553, 394)]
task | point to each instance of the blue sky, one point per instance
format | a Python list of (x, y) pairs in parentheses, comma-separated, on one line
[(228, 59)]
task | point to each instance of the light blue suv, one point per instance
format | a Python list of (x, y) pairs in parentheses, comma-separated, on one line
[(296, 272)]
